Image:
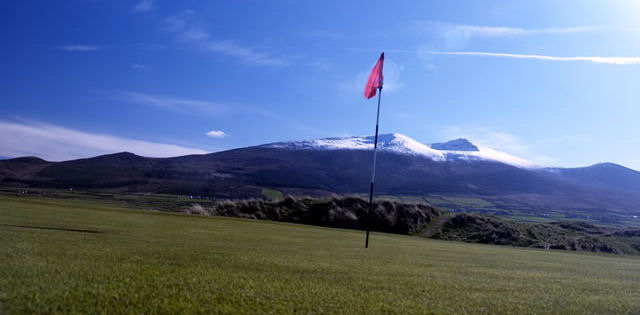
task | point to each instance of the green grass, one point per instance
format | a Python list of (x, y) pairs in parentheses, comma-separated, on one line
[(469, 202), (272, 194), (529, 219), (157, 262)]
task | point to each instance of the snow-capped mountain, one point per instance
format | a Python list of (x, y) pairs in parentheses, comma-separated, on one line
[(459, 149), (321, 167)]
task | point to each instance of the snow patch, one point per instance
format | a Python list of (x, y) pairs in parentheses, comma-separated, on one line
[(401, 144)]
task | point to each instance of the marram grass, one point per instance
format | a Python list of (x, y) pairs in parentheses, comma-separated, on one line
[(156, 262)]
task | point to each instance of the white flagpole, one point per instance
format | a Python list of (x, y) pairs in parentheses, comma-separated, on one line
[(373, 171)]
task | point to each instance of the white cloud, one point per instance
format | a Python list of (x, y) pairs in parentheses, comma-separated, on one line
[(79, 48), (593, 59), (188, 29), (217, 134), (56, 143), (143, 6)]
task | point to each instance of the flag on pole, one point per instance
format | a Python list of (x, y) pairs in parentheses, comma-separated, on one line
[(374, 83), (375, 79)]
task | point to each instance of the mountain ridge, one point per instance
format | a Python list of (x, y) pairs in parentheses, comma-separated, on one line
[(324, 167), (457, 148)]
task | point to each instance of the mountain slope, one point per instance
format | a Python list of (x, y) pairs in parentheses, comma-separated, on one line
[(602, 175)]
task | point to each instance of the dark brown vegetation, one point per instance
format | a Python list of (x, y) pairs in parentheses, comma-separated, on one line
[(420, 219), (346, 212)]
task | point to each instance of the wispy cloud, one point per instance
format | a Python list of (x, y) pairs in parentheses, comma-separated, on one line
[(502, 141), (456, 36), (143, 6), (189, 30), (321, 64), (141, 67), (172, 103), (190, 106), (463, 30), (56, 143), (246, 54), (593, 59), (217, 134), (79, 48), (486, 137)]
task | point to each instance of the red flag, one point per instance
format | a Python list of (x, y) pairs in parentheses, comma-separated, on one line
[(375, 79)]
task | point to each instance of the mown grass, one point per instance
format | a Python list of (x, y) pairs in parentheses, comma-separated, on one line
[(156, 262)]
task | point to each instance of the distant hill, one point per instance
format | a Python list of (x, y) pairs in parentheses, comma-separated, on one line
[(606, 175), (500, 182), (22, 168)]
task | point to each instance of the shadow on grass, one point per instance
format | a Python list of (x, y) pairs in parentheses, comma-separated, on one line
[(52, 228)]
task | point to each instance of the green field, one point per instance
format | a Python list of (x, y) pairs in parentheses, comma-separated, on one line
[(271, 194), (158, 262)]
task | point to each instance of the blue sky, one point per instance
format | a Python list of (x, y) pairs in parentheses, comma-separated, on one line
[(554, 82)]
